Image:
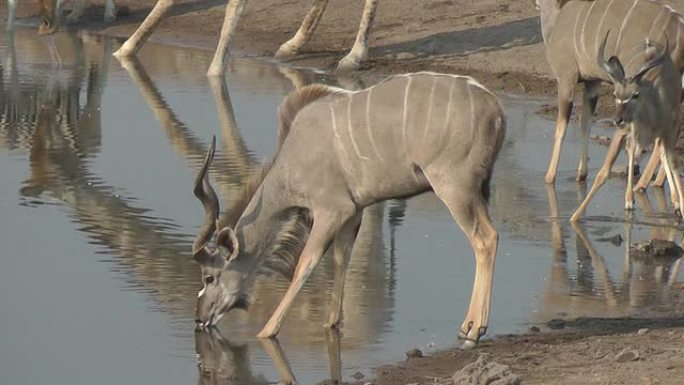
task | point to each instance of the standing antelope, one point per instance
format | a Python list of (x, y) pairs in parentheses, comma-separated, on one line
[(352, 61), (647, 101), (340, 152), (572, 31)]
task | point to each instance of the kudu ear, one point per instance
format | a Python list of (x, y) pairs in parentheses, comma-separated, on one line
[(227, 243), (613, 66)]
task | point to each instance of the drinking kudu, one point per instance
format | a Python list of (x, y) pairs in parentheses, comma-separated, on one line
[(339, 152)]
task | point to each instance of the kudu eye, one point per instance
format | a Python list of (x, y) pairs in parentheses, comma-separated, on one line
[(209, 279)]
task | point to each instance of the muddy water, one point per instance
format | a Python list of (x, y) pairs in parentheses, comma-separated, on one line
[(97, 217)]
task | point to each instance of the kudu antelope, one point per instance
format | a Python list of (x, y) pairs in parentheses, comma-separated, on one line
[(647, 101), (572, 31), (439, 132), (51, 12), (234, 8)]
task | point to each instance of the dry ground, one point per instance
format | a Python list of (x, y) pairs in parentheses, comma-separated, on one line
[(497, 42)]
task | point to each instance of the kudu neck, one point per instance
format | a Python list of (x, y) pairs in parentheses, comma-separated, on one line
[(264, 218)]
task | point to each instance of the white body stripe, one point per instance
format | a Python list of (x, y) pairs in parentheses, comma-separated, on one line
[(351, 133), (368, 125)]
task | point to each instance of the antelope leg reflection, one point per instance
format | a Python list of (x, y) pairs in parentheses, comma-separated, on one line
[(598, 264), (272, 347), (332, 341)]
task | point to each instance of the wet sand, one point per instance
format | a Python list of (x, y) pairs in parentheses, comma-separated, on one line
[(497, 42)]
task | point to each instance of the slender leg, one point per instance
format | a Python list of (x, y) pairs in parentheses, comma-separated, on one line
[(11, 9), (674, 194), (359, 51), (603, 173), (342, 248), (469, 209), (291, 47), (131, 46), (629, 192), (651, 166), (565, 95), (673, 175), (325, 227), (77, 12), (233, 12), (110, 11), (660, 178), (588, 108)]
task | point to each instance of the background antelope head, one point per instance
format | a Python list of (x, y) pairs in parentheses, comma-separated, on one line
[(630, 93), (224, 278)]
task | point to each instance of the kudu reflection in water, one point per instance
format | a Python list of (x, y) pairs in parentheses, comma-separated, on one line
[(370, 282), (644, 287), (221, 362)]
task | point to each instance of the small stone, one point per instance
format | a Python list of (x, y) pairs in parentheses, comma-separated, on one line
[(405, 56), (484, 371), (414, 353), (670, 334), (534, 329), (556, 324), (627, 355), (358, 376), (615, 239), (642, 331)]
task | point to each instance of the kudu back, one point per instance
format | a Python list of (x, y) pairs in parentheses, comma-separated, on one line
[(340, 152), (572, 32)]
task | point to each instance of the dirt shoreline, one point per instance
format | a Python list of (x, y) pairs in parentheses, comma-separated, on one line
[(498, 43)]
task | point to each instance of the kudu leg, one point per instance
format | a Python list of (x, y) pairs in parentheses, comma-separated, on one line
[(325, 227), (230, 20), (131, 46), (588, 108), (565, 96), (604, 172), (359, 51), (291, 47), (342, 249), (649, 170), (675, 181), (469, 209), (629, 191), (660, 178)]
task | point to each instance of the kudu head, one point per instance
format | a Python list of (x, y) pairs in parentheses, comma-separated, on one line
[(224, 278), (50, 14), (627, 89)]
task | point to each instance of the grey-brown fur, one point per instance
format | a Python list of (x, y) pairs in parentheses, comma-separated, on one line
[(347, 150), (647, 100), (572, 35)]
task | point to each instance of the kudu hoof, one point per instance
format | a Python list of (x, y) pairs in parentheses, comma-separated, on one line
[(468, 345)]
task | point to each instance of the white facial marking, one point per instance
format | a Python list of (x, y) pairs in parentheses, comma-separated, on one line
[(201, 292)]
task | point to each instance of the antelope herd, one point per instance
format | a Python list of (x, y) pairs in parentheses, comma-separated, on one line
[(340, 151)]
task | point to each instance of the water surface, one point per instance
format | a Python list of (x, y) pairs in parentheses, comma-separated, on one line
[(97, 218)]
